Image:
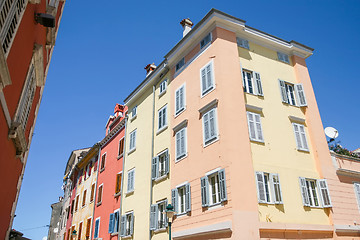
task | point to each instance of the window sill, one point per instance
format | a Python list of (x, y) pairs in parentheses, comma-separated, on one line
[(119, 156), (101, 170), (303, 150), (160, 230), (98, 204), (125, 237), (114, 234), (212, 141), (132, 150), (130, 193), (117, 194), (257, 141), (133, 118), (179, 112), (162, 93), (207, 91), (159, 179), (181, 158), (161, 130)]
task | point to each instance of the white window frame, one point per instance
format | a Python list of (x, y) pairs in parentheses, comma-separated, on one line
[(102, 191), (132, 142), (300, 137), (254, 81), (102, 156), (183, 154), (241, 42), (156, 216), (180, 64), (211, 86), (156, 171), (318, 190), (206, 40), (266, 186), (134, 112), (96, 234), (131, 182), (214, 138), (161, 119), (181, 108), (207, 190), (292, 94), (115, 224), (282, 57), (258, 131), (162, 87), (184, 200), (129, 226)]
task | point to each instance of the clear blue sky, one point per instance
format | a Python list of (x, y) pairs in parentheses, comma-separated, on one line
[(103, 47)]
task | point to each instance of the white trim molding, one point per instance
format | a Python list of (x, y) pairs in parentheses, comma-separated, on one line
[(205, 230)]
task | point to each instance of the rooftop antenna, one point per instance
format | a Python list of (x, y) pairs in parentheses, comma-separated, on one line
[(332, 133)]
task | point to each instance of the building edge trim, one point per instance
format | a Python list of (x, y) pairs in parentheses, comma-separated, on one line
[(204, 230)]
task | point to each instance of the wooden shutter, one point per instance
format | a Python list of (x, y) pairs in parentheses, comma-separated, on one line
[(260, 183), (96, 232), (80, 230), (324, 192), (167, 162), (77, 203), (300, 95), (174, 199), (275, 183), (122, 225), (121, 147), (258, 85), (132, 223), (84, 198), (100, 194), (259, 133), (88, 227), (92, 192), (155, 168), (204, 191), (153, 218), (222, 183), (251, 125), (187, 198), (118, 183), (297, 136), (284, 96), (111, 223), (304, 193), (303, 137)]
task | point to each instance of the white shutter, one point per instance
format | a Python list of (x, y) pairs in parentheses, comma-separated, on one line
[(122, 225), (212, 124), (300, 95), (187, 198), (178, 145), (209, 77), (324, 192), (280, 57), (251, 125), (357, 193), (132, 224), (153, 218), (284, 96), (260, 184), (167, 162), (177, 100), (259, 133), (155, 167), (206, 127), (222, 183), (204, 191), (182, 100), (277, 195), (304, 192), (174, 199), (303, 137), (297, 136), (203, 80), (258, 86)]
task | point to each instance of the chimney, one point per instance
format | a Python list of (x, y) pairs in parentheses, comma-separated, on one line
[(149, 68), (186, 24), (119, 110)]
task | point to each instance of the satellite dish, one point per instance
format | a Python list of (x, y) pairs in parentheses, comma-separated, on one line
[(332, 133)]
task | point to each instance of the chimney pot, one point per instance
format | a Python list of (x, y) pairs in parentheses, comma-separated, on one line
[(149, 68), (186, 24)]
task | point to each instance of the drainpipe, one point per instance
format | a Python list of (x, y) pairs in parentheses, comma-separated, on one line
[(152, 153), (122, 176), (95, 197)]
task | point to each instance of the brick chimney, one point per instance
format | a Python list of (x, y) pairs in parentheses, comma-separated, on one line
[(186, 24), (119, 110), (149, 68)]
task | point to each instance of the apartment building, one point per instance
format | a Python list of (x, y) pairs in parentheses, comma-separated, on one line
[(28, 30)]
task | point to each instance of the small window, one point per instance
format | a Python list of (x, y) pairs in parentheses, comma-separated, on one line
[(181, 199), (97, 228), (242, 43), (118, 183), (210, 132), (283, 57), (84, 198), (92, 194), (162, 118), (114, 222), (134, 112), (80, 230), (100, 191), (162, 87), (180, 100), (77, 203), (103, 159), (88, 227), (205, 41), (255, 129), (268, 187), (315, 193), (158, 219), (180, 144), (300, 137), (180, 64), (207, 78), (252, 83), (127, 224), (213, 188), (131, 180), (121, 147), (160, 165), (132, 141)]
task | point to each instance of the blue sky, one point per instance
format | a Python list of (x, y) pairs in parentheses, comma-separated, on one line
[(103, 47)]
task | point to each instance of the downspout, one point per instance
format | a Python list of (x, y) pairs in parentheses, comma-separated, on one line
[(95, 197), (122, 177), (152, 153)]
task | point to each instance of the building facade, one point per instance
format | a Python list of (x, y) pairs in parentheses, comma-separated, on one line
[(28, 29)]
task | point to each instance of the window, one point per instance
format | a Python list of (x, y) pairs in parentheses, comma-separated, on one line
[(252, 83), (180, 64), (300, 137), (84, 198), (312, 190), (158, 219), (255, 129), (180, 100), (180, 145), (97, 228), (181, 199), (242, 43), (103, 159), (72, 206), (100, 191), (357, 193), (77, 203), (283, 57), (268, 188), (114, 222), (207, 78), (80, 229), (131, 180), (121, 147), (292, 94), (160, 165), (92, 192), (118, 183), (127, 224), (87, 172), (134, 112), (88, 227), (213, 188), (162, 87), (132, 146), (205, 41), (162, 117), (209, 126)]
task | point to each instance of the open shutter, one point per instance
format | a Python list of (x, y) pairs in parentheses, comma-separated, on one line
[(155, 167), (304, 193), (166, 219), (275, 183), (204, 191), (324, 191), (167, 163), (153, 219), (297, 136), (300, 95), (203, 80), (132, 224), (177, 101), (222, 183), (258, 86), (251, 125), (96, 232), (111, 223), (174, 197), (303, 137), (187, 198), (258, 128), (122, 225), (284, 96), (260, 187)]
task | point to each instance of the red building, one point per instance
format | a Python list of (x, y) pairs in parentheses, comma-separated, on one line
[(107, 207), (28, 29)]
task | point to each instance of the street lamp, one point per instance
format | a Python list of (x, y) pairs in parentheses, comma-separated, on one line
[(169, 214), (74, 234)]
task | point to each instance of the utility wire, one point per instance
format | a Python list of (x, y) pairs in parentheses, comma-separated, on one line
[(34, 228)]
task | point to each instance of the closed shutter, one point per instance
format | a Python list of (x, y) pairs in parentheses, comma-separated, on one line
[(187, 198), (284, 96), (166, 219), (324, 191), (297, 136), (304, 193), (132, 224), (88, 227), (177, 101), (280, 57), (258, 128), (357, 193), (203, 80), (213, 133), (96, 232), (204, 191), (275, 181), (209, 77), (251, 125), (122, 225), (153, 219), (174, 198), (258, 86), (167, 162), (181, 98), (178, 145), (246, 44), (300, 95), (182, 142), (260, 187), (222, 183), (155, 168), (111, 223), (206, 127)]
